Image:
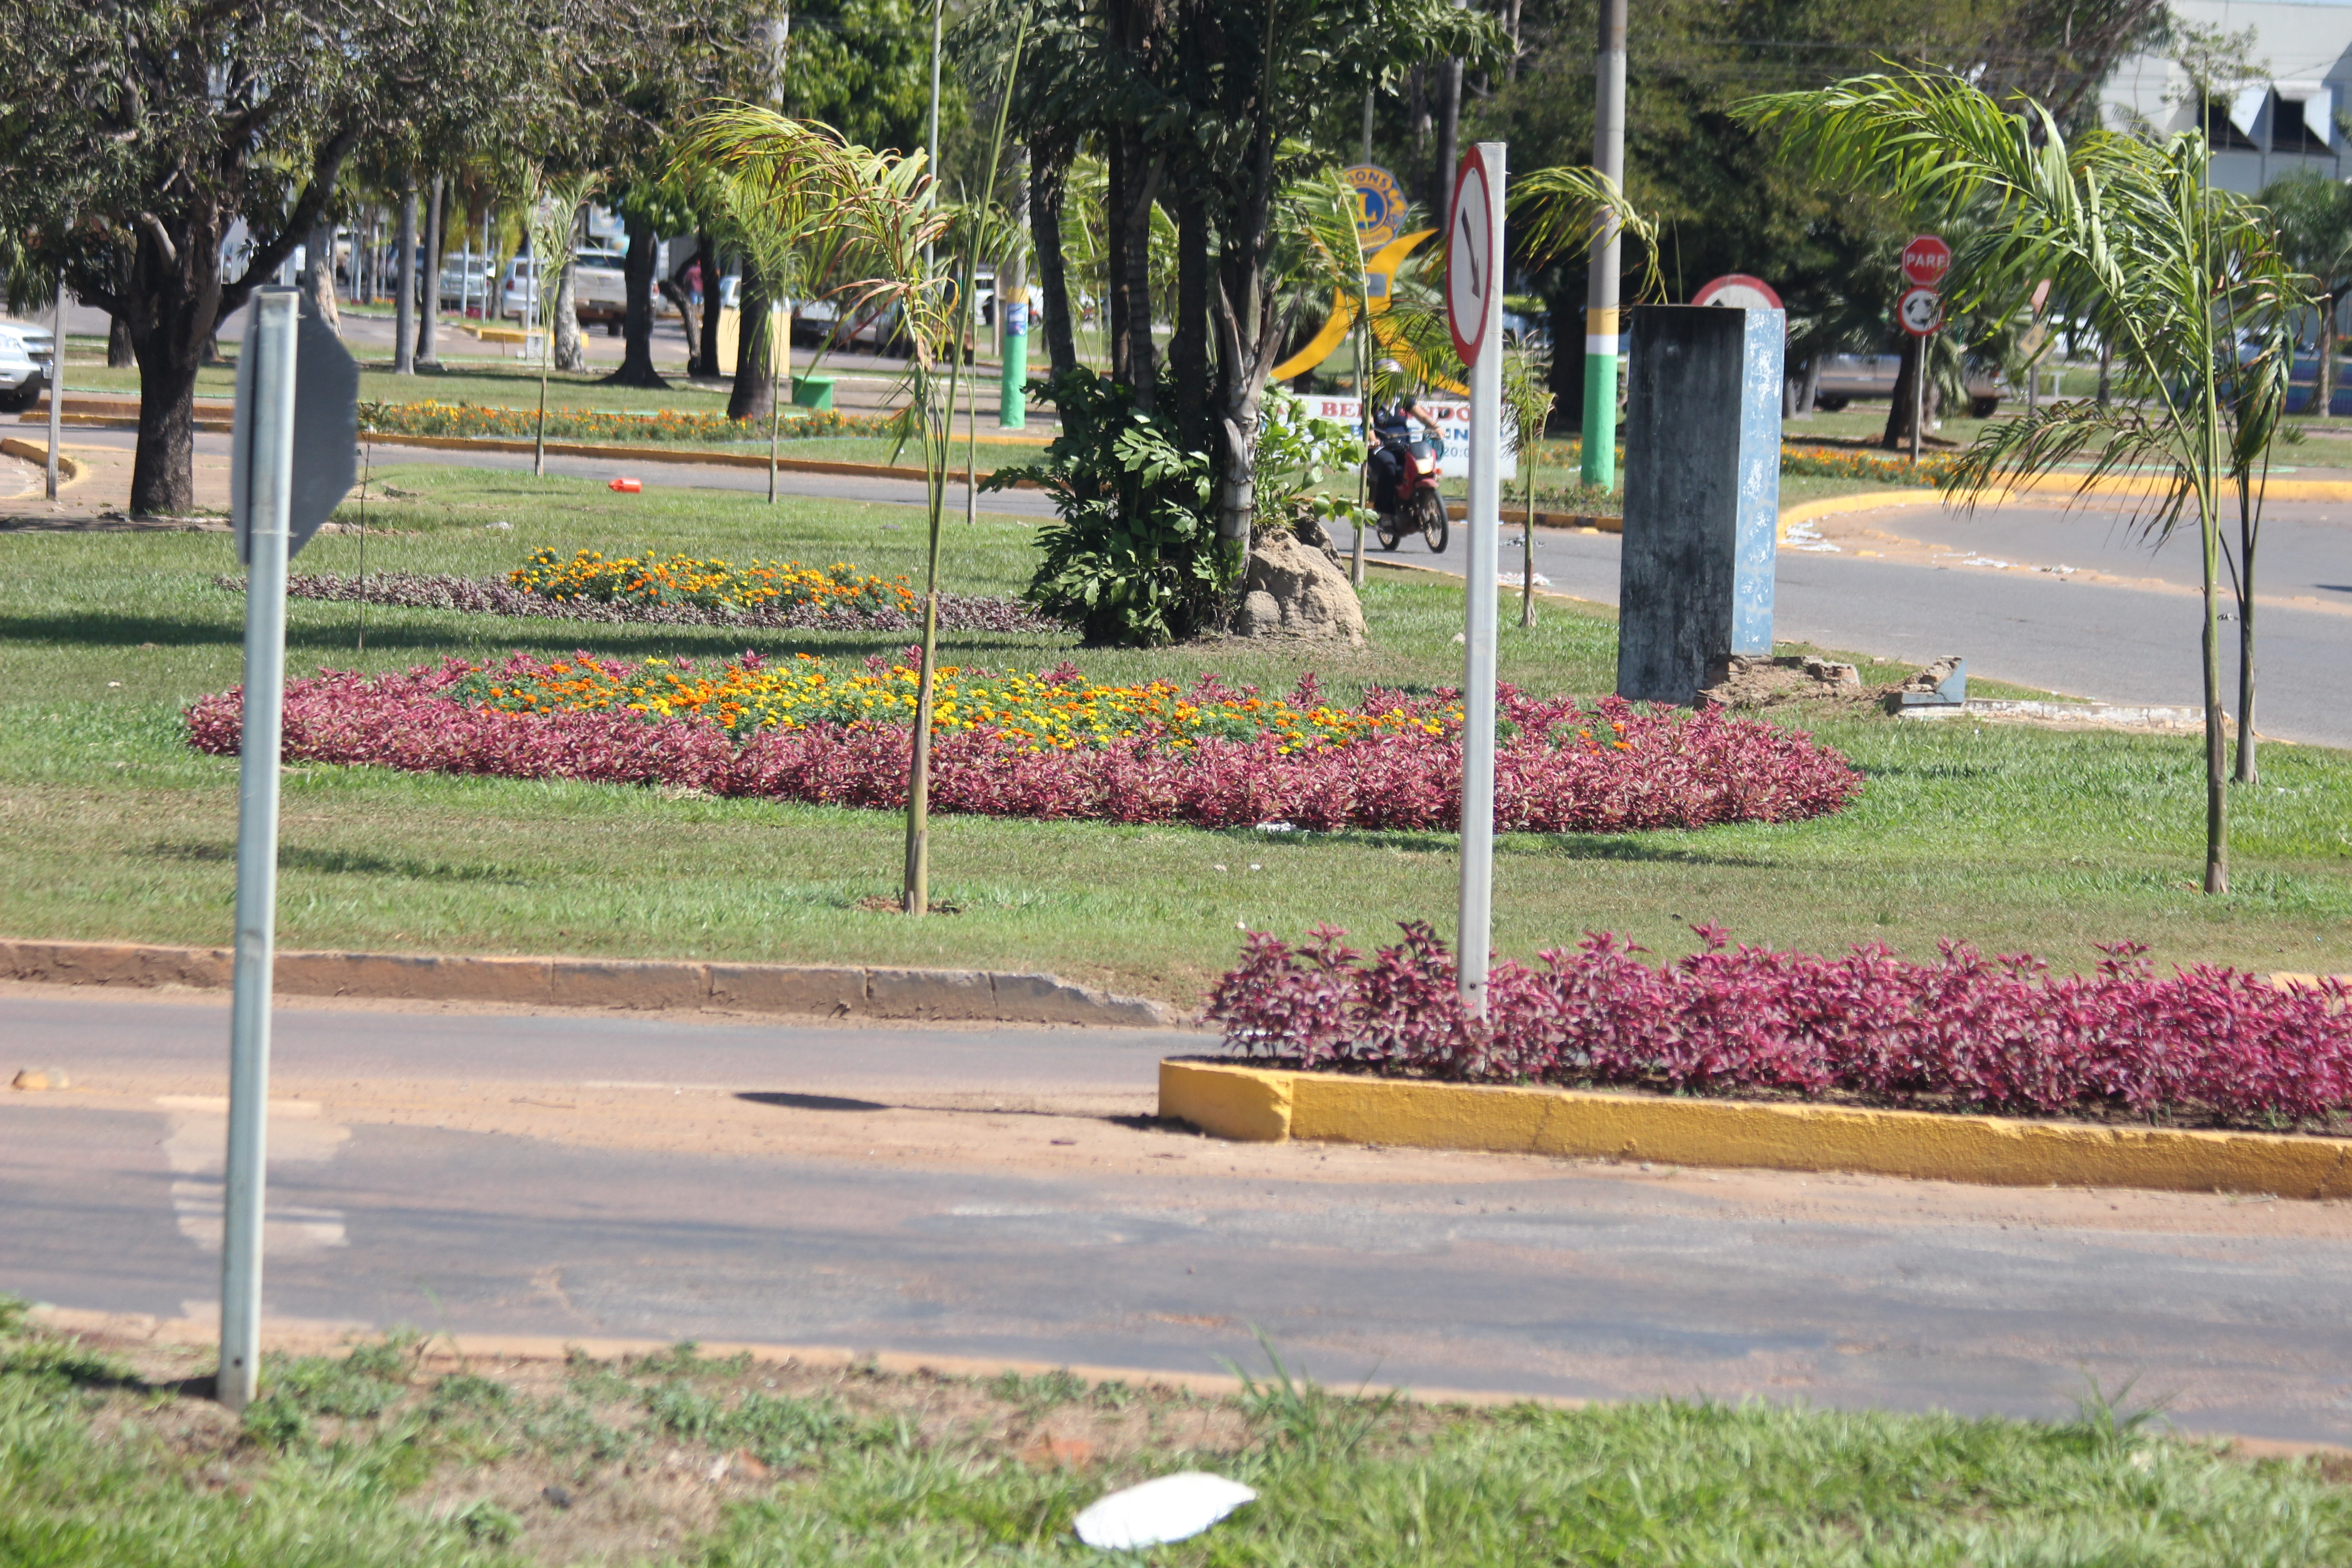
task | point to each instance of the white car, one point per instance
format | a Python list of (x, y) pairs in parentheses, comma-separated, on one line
[(26, 358)]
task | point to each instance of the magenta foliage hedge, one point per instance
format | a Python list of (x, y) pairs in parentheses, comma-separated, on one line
[(1994, 1034), (1668, 772)]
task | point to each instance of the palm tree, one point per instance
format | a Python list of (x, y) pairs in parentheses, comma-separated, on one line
[(872, 218), (2177, 276), (552, 206)]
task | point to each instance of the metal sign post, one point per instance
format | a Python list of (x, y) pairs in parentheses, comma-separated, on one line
[(1921, 312), (286, 475), (57, 385), (1474, 309), (265, 447)]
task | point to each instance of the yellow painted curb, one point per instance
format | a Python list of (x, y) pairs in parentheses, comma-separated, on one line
[(69, 470), (2276, 489), (1834, 506), (1266, 1105)]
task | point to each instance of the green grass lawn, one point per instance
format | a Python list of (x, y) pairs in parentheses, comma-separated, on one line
[(2010, 837), (378, 1457)]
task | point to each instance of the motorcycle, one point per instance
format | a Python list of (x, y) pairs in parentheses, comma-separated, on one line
[(1417, 508)]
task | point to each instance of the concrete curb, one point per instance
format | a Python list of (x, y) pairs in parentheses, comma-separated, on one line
[(934, 995), (69, 471), (1264, 1105)]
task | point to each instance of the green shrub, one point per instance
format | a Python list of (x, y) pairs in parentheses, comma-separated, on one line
[(1133, 557)]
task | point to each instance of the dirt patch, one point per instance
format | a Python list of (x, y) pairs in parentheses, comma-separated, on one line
[(588, 1461), (1753, 683)]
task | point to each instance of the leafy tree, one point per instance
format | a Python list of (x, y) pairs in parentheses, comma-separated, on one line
[(136, 135), (2313, 215), (2183, 278), (1723, 203)]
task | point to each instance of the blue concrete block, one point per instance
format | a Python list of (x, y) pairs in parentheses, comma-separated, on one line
[(1702, 495)]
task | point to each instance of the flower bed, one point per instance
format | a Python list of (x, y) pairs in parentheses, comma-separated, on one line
[(1817, 463), (429, 418), (1049, 745), (2203, 1044), (706, 584), (497, 596)]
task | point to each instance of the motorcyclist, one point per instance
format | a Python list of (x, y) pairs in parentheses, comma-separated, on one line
[(1393, 432)]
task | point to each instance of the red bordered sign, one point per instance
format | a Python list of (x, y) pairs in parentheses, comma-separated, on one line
[(1473, 270), (1921, 310), (1925, 260)]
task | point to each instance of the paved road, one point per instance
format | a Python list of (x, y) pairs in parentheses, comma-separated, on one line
[(2122, 629), (976, 1194), (213, 450)]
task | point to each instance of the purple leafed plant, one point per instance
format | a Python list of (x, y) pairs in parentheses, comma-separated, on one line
[(1561, 768), (2204, 1045)]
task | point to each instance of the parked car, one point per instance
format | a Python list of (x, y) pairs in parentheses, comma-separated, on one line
[(26, 366), (465, 282), (1845, 377), (599, 289)]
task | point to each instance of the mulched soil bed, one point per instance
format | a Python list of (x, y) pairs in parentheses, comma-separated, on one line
[(492, 596)]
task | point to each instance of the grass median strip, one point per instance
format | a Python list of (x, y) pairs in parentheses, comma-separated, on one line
[(384, 1454), (2006, 837)]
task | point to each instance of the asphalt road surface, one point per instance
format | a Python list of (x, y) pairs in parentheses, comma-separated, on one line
[(997, 1194), (2121, 625)]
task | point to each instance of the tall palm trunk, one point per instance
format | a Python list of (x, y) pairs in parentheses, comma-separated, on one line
[(1049, 170)]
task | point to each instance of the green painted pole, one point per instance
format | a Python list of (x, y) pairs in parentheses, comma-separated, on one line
[(1013, 383), (1600, 323)]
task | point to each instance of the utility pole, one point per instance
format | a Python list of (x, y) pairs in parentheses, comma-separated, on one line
[(1601, 336), (939, 13), (56, 383), (404, 315)]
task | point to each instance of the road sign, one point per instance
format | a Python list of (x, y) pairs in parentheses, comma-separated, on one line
[(1922, 310), (1472, 280), (1379, 205), (1739, 291), (326, 436), (1925, 260)]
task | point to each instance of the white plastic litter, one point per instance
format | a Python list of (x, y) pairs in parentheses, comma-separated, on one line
[(1173, 1507)]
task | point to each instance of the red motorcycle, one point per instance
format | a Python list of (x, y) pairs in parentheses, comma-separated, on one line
[(1416, 507)]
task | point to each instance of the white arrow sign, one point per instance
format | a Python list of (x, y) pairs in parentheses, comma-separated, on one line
[(1471, 278)]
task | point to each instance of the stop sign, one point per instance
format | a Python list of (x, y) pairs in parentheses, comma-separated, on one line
[(1925, 260)]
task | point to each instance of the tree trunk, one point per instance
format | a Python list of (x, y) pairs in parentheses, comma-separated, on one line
[(570, 348), (637, 324), (754, 397), (404, 316), (2217, 798), (318, 275), (1449, 137), (1247, 330), (163, 472), (1897, 437), (2323, 386), (428, 304), (1188, 349), (1115, 300), (1142, 355), (1049, 169), (117, 345), (706, 350), (169, 308), (2249, 768), (2106, 371)]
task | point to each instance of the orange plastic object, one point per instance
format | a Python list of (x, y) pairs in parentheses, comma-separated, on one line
[(626, 487)]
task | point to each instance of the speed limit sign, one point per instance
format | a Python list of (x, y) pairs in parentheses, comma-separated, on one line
[(1921, 309)]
